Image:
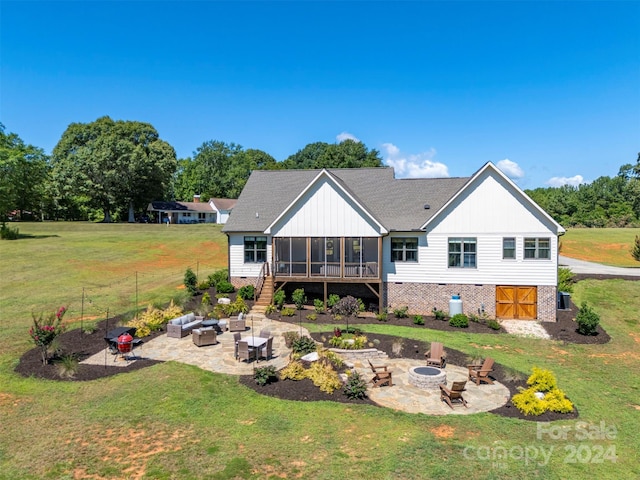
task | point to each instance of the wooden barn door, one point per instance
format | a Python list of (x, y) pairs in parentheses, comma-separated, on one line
[(517, 302)]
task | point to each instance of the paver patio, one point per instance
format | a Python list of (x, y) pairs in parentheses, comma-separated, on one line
[(401, 396)]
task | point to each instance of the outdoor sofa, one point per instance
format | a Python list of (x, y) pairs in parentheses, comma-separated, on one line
[(182, 326)]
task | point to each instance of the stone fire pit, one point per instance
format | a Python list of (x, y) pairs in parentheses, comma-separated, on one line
[(428, 378)]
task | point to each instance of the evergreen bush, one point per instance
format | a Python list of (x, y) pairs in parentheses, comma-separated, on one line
[(587, 320)]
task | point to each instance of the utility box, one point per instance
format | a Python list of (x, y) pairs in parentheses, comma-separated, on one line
[(564, 301)]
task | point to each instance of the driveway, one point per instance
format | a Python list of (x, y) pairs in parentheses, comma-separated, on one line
[(581, 266)]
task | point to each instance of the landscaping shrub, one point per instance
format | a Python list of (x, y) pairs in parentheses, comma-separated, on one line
[(288, 312), (332, 300), (312, 317), (67, 366), (401, 312), (383, 316), (216, 277), (542, 383), (172, 311), (279, 298), (318, 305), (203, 285), (587, 320), (418, 320), (361, 306), (206, 299), (191, 281), (439, 314), (299, 298), (356, 386), (565, 280), (289, 337), (224, 287), (332, 358), (494, 325), (264, 375), (635, 250), (8, 233), (45, 331), (269, 309), (324, 377), (294, 371), (459, 320), (303, 345), (247, 292)]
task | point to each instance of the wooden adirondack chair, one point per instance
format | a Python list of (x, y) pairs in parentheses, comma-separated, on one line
[(453, 394), (381, 375), (435, 355), (480, 373)]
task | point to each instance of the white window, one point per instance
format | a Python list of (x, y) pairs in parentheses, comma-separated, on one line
[(462, 252), (537, 248), (404, 249), (255, 249), (509, 248)]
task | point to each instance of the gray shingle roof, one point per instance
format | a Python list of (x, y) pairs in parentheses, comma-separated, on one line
[(398, 204)]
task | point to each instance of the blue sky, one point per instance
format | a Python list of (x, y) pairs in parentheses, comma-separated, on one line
[(549, 91)]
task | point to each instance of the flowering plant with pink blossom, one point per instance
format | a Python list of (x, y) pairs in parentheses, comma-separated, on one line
[(44, 331)]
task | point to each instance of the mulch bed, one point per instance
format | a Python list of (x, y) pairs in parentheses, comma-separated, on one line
[(84, 345)]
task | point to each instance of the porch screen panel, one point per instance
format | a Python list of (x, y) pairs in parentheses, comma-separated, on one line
[(299, 256), (283, 256), (370, 256)]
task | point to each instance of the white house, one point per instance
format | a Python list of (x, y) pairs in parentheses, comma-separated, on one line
[(397, 242), (217, 210)]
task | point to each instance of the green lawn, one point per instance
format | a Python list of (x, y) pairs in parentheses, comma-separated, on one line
[(177, 421), (611, 246)]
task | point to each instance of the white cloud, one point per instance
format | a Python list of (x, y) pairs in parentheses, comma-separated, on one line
[(346, 136), (560, 181), (510, 169), (420, 165)]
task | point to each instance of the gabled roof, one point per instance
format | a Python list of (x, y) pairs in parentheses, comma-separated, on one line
[(515, 189), (396, 204), (222, 204), (180, 206), (324, 173)]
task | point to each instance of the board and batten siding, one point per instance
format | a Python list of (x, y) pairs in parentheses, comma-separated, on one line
[(489, 210), (237, 267), (325, 211)]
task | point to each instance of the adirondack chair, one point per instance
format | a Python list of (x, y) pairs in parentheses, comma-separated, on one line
[(435, 355), (480, 373), (453, 394), (381, 375)]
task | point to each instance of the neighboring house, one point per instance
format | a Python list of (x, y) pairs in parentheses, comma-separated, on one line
[(217, 210), (398, 242)]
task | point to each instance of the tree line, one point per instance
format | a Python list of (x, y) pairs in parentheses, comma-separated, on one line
[(110, 170)]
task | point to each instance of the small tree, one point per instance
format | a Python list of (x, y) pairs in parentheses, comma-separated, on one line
[(299, 298), (587, 320), (635, 251), (44, 331), (191, 281), (346, 307)]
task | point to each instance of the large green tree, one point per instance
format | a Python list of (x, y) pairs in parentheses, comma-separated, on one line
[(346, 154), (113, 166), (219, 170), (23, 172)]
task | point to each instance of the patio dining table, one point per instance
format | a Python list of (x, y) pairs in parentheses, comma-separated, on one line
[(255, 342)]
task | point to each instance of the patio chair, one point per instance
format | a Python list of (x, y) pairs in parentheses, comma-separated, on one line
[(267, 351), (381, 375), (236, 338), (480, 373), (264, 333), (245, 352), (435, 355), (453, 394), (237, 324)]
